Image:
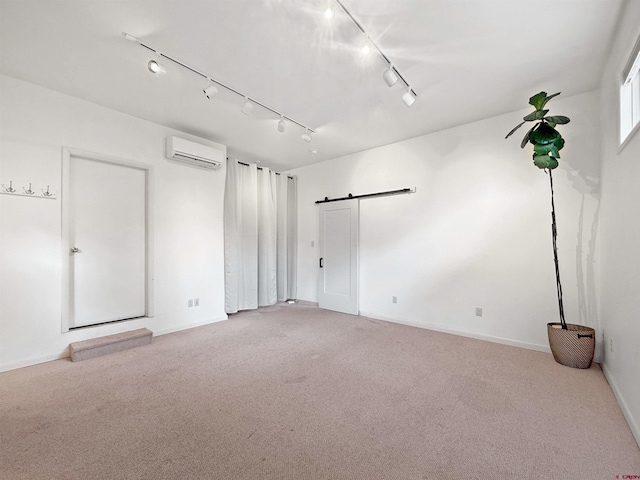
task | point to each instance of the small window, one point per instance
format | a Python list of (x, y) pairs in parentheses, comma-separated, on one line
[(630, 95)]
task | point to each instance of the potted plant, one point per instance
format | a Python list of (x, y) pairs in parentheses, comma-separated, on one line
[(571, 345)]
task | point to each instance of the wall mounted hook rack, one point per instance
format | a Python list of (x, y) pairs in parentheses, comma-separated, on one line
[(26, 192)]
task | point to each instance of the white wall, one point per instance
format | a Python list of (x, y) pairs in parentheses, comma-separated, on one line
[(477, 232), (188, 245), (620, 237)]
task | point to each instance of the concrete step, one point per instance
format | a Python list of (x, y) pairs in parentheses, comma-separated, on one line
[(96, 347)]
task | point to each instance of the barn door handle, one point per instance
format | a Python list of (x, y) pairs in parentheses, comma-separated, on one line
[(321, 262)]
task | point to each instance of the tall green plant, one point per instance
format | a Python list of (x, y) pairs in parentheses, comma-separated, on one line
[(547, 143)]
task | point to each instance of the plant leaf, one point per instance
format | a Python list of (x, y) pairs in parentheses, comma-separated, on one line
[(541, 161), (558, 119), (544, 134), (559, 143), (537, 115), (549, 98), (552, 149), (538, 100), (514, 129), (527, 136), (544, 161), (545, 149)]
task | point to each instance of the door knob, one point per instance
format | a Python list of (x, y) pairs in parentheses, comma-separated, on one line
[(75, 249)]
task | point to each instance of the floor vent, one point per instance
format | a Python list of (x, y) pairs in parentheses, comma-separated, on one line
[(97, 347)]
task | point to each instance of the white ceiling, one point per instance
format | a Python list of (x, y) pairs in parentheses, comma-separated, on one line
[(466, 60)]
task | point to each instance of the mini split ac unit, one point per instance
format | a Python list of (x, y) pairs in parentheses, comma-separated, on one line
[(192, 153)]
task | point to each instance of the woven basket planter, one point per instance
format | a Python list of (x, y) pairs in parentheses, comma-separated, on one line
[(573, 347)]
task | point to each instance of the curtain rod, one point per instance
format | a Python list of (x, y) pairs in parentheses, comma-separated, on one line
[(369, 195), (260, 168)]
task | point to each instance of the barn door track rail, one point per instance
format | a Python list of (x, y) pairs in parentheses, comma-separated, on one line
[(401, 191)]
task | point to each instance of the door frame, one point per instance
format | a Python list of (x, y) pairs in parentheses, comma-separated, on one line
[(67, 154)]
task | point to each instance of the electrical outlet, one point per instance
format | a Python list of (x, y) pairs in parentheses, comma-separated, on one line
[(478, 311), (611, 345), (394, 299), (196, 302), (190, 303)]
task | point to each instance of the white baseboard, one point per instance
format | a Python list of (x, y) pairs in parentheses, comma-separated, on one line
[(34, 361), (478, 336), (307, 302), (65, 353), (165, 331), (633, 425)]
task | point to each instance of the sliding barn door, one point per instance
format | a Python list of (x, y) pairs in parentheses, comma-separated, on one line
[(338, 263)]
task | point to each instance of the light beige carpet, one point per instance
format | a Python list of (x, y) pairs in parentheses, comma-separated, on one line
[(294, 392)]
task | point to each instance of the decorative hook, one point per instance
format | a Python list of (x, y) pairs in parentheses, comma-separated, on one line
[(10, 189), (28, 192)]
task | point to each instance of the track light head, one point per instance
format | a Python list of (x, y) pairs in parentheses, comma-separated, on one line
[(408, 97), (131, 38), (246, 108), (366, 46), (210, 90), (390, 77), (156, 67), (329, 12), (306, 136), (282, 125)]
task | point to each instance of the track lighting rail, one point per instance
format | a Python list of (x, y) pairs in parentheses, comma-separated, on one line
[(131, 38), (370, 40)]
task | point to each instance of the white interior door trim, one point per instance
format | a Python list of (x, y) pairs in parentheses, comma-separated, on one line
[(67, 153)]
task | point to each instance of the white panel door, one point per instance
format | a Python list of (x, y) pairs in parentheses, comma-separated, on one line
[(338, 264), (107, 237)]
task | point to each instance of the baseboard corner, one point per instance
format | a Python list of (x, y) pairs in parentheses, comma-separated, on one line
[(628, 415)]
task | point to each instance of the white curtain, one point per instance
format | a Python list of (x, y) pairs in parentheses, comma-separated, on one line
[(260, 237)]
